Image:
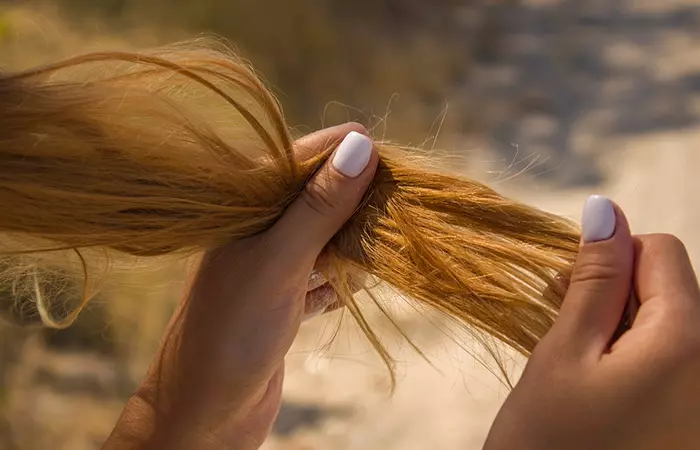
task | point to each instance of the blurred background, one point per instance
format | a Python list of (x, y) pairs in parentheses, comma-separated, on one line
[(546, 100)]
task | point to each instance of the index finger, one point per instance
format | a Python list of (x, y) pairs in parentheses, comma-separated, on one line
[(312, 144), (663, 271)]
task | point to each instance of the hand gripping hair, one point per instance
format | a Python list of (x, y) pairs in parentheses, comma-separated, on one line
[(112, 155)]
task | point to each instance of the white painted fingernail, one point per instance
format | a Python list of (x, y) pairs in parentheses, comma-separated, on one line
[(598, 221), (353, 154)]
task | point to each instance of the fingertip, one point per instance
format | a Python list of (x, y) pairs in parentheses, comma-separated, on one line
[(330, 197), (356, 127), (317, 301), (314, 143), (598, 220), (602, 220), (664, 270), (601, 279), (622, 226), (353, 155)]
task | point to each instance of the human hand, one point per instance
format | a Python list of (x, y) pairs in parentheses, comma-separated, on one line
[(579, 390), (217, 380)]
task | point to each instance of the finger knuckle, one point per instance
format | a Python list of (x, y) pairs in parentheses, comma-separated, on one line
[(319, 198), (676, 343), (678, 357), (688, 341), (552, 359), (598, 269), (358, 127), (665, 242)]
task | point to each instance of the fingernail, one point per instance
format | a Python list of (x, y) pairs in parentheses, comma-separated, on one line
[(598, 221), (353, 154), (316, 280)]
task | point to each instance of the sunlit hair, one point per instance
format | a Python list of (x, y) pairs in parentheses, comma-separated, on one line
[(112, 155)]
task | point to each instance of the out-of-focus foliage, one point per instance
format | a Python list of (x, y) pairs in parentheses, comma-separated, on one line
[(363, 54), (541, 88)]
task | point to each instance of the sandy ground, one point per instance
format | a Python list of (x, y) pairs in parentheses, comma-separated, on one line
[(339, 398), (634, 116), (341, 402), (630, 110)]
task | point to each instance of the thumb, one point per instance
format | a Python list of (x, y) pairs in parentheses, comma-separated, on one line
[(329, 199), (601, 281)]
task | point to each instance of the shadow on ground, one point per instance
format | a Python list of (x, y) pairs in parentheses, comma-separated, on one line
[(294, 417), (561, 79)]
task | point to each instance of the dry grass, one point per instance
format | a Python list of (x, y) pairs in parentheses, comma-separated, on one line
[(64, 390), (51, 404), (395, 57), (90, 367)]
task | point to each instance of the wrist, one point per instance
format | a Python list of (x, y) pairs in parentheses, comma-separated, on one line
[(147, 424), (142, 427), (135, 426)]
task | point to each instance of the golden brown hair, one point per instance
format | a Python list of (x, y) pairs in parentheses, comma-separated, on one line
[(107, 155)]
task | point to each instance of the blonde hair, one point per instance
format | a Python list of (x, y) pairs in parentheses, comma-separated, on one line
[(112, 154)]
